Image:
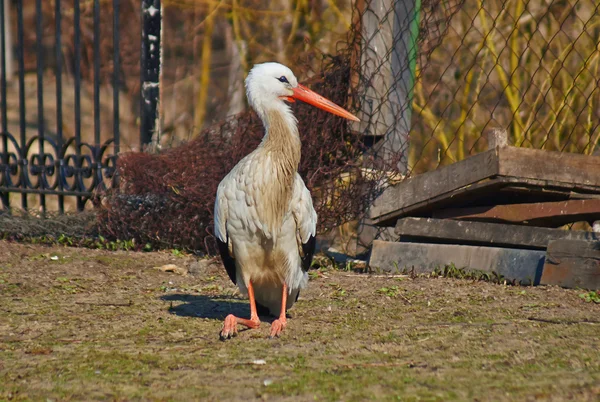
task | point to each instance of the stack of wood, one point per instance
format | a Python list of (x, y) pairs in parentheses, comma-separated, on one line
[(504, 211)]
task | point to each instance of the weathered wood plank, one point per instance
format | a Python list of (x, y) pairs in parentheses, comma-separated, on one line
[(524, 266), (552, 214), (537, 164), (538, 189), (440, 182), (505, 188), (541, 171), (479, 233), (573, 264)]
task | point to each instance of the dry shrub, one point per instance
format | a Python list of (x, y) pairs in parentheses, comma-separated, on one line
[(167, 199)]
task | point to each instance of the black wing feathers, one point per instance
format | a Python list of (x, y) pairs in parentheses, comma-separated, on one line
[(308, 249), (228, 260)]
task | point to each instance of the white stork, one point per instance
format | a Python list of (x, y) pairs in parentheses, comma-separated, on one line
[(265, 223)]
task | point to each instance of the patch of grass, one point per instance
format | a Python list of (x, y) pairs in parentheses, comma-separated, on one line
[(211, 278), (338, 291), (177, 253), (452, 271), (591, 297), (391, 291), (92, 242), (212, 288), (69, 285)]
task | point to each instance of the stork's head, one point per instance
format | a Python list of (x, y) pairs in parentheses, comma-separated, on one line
[(269, 85)]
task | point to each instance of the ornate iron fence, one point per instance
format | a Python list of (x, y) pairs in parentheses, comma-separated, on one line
[(38, 160)]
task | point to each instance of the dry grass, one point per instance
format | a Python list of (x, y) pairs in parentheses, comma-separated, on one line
[(94, 325)]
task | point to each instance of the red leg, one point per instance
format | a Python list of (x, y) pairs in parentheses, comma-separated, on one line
[(231, 321), (279, 324)]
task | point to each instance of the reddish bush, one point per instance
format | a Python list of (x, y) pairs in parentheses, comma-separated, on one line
[(167, 199)]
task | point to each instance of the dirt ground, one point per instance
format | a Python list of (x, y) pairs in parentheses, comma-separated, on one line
[(79, 324)]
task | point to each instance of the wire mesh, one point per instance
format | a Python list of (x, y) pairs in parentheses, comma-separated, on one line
[(530, 68)]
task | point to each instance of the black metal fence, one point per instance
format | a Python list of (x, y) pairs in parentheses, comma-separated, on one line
[(40, 161)]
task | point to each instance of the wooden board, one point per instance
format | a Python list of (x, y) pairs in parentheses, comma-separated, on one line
[(485, 174), (573, 264), (524, 266), (478, 233), (535, 189), (550, 214), (578, 169), (442, 182)]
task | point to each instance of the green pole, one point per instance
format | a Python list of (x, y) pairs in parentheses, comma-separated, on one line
[(403, 65)]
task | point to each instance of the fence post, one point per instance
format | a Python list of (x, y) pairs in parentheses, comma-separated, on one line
[(150, 72), (404, 61), (389, 32)]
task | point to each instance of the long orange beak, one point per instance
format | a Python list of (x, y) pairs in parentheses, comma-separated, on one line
[(306, 95)]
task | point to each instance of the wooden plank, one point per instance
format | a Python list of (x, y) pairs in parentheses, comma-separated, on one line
[(538, 188), (499, 189), (524, 266), (438, 183), (543, 172), (478, 233), (552, 214), (575, 169), (573, 264)]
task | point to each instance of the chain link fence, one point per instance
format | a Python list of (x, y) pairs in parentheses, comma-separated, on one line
[(530, 68)]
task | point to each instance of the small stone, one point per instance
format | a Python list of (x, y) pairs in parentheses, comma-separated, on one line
[(267, 382), (201, 266), (259, 362)]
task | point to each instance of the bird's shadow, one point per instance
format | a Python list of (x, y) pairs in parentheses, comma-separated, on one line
[(211, 307)]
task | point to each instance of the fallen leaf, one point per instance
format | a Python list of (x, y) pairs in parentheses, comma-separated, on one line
[(39, 351), (173, 268)]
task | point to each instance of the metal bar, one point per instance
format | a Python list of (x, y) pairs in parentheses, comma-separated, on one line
[(97, 160), (150, 69), (97, 73), (82, 194), (58, 73), (77, 88), (40, 90), (3, 106), (3, 78), (116, 69), (22, 123)]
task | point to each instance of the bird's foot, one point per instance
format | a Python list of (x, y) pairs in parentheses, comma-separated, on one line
[(277, 327), (230, 325)]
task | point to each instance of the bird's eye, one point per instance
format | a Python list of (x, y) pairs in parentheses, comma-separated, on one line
[(283, 79)]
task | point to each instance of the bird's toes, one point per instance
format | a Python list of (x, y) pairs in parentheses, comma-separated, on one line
[(277, 328), (229, 328), (227, 334)]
